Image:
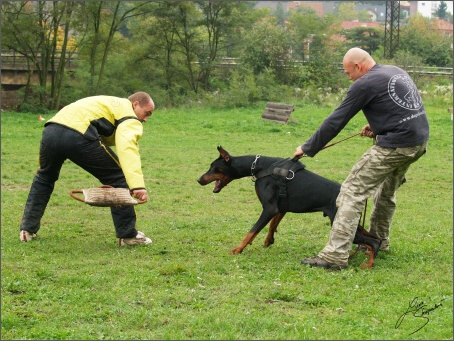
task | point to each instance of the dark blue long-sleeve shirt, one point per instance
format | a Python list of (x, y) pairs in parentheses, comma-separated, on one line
[(391, 103)]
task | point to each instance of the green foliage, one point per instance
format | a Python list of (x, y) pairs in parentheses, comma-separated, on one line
[(34, 103), (244, 90), (420, 37), (367, 38), (267, 47), (177, 50), (75, 283), (441, 11), (346, 11), (302, 27), (322, 70)]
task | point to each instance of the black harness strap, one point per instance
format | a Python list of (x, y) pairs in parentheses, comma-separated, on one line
[(284, 168), (283, 171), (117, 122)]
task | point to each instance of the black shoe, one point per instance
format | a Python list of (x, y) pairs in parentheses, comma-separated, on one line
[(321, 263), (373, 242)]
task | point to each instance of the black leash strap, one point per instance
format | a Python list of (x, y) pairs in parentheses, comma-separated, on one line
[(364, 215)]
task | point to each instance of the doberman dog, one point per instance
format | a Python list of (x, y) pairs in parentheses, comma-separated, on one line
[(283, 185)]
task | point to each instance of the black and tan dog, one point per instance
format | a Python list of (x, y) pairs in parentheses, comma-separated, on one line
[(282, 185)]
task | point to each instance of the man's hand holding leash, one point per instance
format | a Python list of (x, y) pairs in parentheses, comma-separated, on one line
[(366, 131), (299, 153)]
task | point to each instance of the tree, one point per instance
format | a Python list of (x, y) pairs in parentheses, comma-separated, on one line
[(442, 10), (188, 40), (33, 29), (367, 38), (322, 69), (63, 45), (219, 21), (103, 20), (280, 14), (303, 26), (157, 51), (305, 10), (267, 46), (346, 11), (420, 37)]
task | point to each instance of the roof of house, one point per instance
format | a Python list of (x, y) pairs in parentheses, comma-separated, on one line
[(352, 24), (443, 24)]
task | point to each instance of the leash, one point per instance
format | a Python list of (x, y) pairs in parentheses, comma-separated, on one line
[(327, 146), (332, 144), (364, 216)]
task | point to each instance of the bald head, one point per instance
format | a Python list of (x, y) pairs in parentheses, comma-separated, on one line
[(357, 63), (357, 55)]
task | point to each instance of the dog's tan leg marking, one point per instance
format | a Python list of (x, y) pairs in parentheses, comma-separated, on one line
[(370, 251), (248, 240), (273, 229), (370, 262)]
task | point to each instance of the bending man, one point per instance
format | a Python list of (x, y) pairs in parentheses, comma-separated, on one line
[(82, 132)]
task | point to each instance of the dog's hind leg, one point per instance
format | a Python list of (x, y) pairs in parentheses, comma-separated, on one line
[(370, 262), (368, 240), (273, 229)]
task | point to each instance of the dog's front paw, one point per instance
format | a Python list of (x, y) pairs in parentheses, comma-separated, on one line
[(236, 251)]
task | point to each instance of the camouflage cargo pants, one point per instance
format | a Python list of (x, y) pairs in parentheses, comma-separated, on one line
[(378, 173)]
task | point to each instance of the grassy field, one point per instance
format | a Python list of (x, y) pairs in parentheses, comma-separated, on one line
[(74, 282)]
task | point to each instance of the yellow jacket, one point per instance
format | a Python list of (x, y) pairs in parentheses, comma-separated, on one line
[(111, 119)]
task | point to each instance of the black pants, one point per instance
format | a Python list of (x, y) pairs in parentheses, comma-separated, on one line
[(58, 144)]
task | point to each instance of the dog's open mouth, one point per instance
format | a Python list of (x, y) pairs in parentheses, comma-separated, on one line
[(218, 186)]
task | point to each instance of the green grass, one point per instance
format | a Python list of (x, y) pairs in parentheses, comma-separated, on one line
[(74, 282)]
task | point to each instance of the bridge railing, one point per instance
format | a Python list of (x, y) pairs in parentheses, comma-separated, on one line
[(12, 60)]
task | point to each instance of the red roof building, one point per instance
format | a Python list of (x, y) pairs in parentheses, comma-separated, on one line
[(443, 26), (354, 23)]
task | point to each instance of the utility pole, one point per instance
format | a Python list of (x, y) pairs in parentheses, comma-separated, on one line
[(392, 27)]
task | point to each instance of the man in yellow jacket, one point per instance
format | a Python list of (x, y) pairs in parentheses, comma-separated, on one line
[(82, 132)]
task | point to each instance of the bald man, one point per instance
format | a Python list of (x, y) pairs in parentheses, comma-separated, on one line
[(397, 122)]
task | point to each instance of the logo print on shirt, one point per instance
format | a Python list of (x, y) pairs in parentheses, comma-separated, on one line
[(404, 93)]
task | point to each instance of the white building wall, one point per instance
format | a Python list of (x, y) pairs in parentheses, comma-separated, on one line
[(428, 8), (425, 8)]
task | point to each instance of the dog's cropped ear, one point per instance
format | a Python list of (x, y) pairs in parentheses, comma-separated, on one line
[(224, 154)]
